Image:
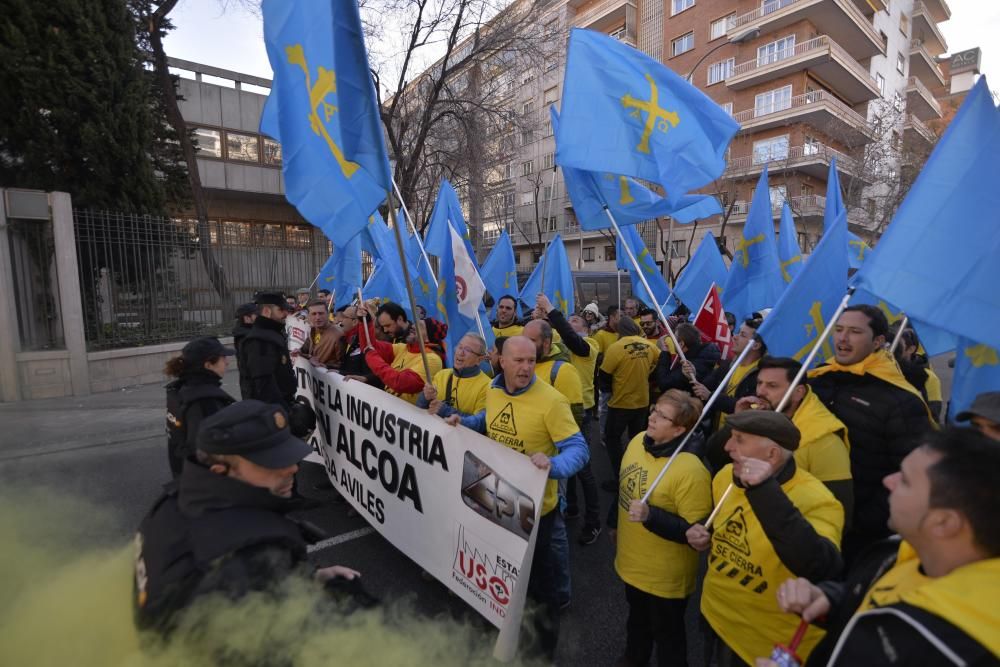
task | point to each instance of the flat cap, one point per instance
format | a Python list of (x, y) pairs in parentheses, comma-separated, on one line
[(986, 405), (768, 424)]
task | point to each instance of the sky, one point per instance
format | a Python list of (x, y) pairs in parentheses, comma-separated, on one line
[(231, 38)]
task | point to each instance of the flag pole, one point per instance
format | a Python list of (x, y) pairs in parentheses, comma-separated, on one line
[(899, 334), (409, 286), (802, 371), (413, 226), (548, 214), (364, 318), (645, 283), (704, 413)]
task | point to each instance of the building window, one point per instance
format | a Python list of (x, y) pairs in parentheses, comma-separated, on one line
[(609, 253), (718, 28), (870, 206), (527, 76), (209, 142), (885, 39), (527, 168), (772, 100), (811, 146), (768, 150), (897, 101), (806, 190), (900, 63), (803, 240), (547, 128), (682, 44), (678, 249), (547, 161), (506, 171), (242, 147), (526, 137), (571, 221), (779, 194), (547, 192), (775, 51), (721, 70), (904, 24), (588, 254), (508, 201), (272, 152), (528, 107), (517, 258), (678, 6), (551, 95), (880, 84), (553, 224), (527, 198), (727, 107)]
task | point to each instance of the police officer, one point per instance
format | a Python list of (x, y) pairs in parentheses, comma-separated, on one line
[(195, 393), (221, 527), (265, 365)]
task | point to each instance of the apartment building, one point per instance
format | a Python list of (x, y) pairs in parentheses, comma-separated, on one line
[(808, 81)]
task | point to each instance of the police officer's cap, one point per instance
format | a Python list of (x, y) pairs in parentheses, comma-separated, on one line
[(271, 299), (255, 430), (247, 309), (203, 349), (768, 424)]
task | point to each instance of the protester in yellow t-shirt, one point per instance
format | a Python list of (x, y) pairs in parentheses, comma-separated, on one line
[(777, 521), (553, 367), (461, 388), (534, 419), (930, 599), (824, 451), (625, 373), (506, 323), (653, 557), (400, 366)]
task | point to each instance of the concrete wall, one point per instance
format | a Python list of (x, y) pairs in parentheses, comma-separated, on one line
[(115, 369)]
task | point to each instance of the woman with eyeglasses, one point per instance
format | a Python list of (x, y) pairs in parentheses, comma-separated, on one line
[(653, 559)]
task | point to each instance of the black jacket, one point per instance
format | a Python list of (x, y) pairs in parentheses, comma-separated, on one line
[(915, 372), (240, 331), (265, 364), (196, 394), (725, 403), (210, 533), (884, 423), (354, 362), (704, 358), (899, 634), (571, 340)]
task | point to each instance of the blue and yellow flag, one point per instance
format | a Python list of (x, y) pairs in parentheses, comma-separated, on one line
[(499, 272), (705, 269), (629, 201), (755, 280), (447, 213), (421, 274), (795, 323), (977, 370), (323, 110), (341, 274), (377, 239), (657, 283), (937, 260), (625, 113), (789, 252), (386, 284), (857, 249), (558, 279)]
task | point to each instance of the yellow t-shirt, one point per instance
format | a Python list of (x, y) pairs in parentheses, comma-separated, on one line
[(567, 382), (644, 560), (468, 395), (531, 422), (404, 359), (629, 363), (933, 386), (605, 339), (585, 367), (738, 375), (824, 451), (739, 598), (508, 331)]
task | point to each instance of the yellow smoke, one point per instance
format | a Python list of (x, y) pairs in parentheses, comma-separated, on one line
[(65, 600)]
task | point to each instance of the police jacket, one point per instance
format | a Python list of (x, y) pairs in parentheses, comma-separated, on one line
[(209, 533), (885, 422), (927, 630), (704, 357), (265, 365), (196, 394)]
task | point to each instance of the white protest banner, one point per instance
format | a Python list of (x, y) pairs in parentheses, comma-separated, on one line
[(458, 504), (297, 330)]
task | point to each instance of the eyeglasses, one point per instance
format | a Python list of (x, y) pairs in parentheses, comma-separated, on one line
[(653, 410), (469, 350)]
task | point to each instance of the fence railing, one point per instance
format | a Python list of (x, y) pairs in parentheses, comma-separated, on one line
[(772, 6), (801, 101), (918, 85), (817, 45), (148, 280), (792, 156)]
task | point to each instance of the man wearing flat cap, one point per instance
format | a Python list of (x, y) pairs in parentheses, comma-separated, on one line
[(265, 365), (777, 522), (221, 527), (984, 414)]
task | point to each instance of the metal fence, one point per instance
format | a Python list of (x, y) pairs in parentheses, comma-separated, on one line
[(148, 280)]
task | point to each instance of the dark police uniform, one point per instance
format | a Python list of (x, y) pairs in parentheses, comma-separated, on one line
[(266, 372), (212, 533)]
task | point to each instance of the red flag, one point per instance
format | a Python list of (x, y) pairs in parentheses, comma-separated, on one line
[(711, 322)]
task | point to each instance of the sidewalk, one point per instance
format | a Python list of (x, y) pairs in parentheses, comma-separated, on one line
[(131, 414)]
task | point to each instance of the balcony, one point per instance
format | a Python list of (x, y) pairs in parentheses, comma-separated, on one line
[(804, 208), (607, 15), (914, 127), (925, 29), (919, 100), (819, 109), (812, 159), (840, 19), (939, 10), (822, 56), (923, 65), (870, 7)]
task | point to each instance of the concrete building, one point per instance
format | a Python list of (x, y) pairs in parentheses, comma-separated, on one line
[(808, 81)]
